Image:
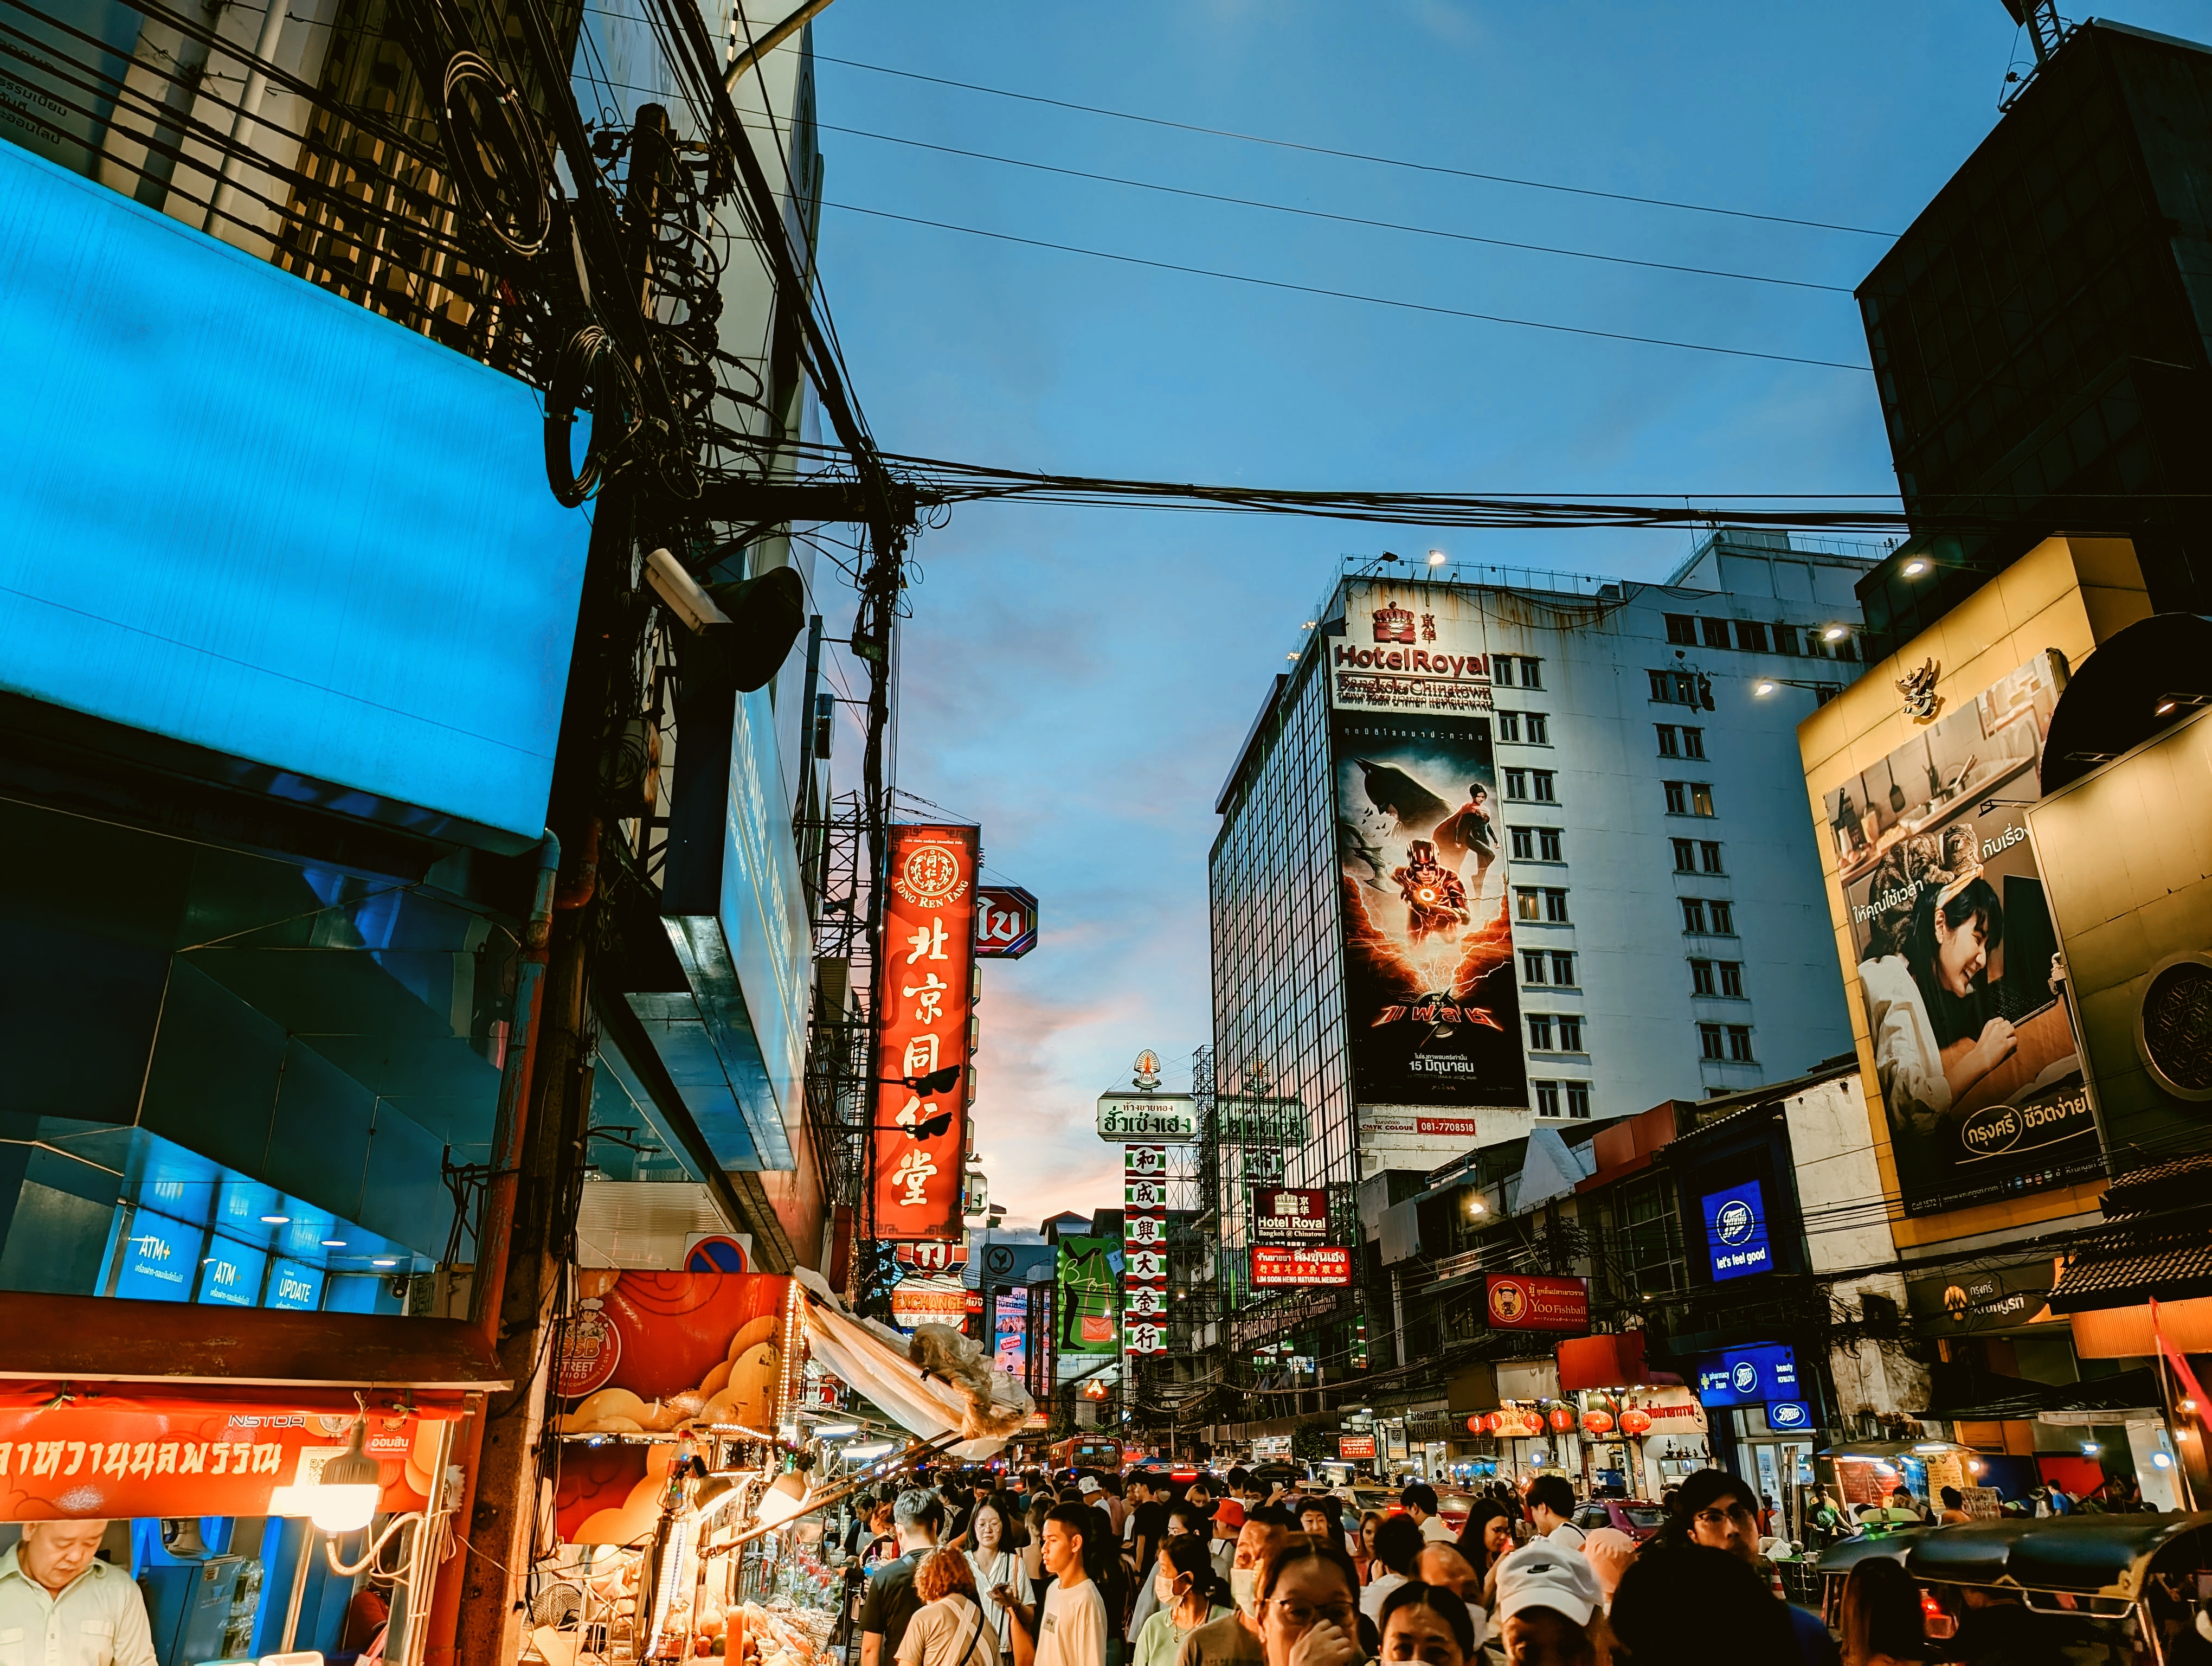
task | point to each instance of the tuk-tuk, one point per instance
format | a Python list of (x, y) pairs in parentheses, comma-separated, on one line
[(2064, 1582)]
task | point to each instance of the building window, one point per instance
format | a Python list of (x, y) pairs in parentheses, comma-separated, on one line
[(1724, 917), (1709, 1042), (1732, 979), (1527, 904), (1740, 1044), (1710, 850), (1669, 745), (1516, 783), (1681, 630), (1524, 844), (1563, 967), (1570, 1032), (1673, 687), (1686, 855), (1578, 1099), (1701, 798), (1701, 977), (1547, 844), (1678, 797), (1693, 742), (1509, 725), (1539, 1033), (1555, 907), (1539, 729), (1542, 780), (1532, 673), (1532, 965), (1716, 632), (1785, 639), (1547, 1098), (1694, 915), (1751, 635)]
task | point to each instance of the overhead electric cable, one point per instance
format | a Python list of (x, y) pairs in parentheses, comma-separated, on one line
[(1340, 219), (1357, 156), (1349, 294)]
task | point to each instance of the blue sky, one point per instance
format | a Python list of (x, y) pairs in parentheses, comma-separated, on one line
[(1077, 680)]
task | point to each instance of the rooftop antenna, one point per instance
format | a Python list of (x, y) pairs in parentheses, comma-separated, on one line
[(2046, 32)]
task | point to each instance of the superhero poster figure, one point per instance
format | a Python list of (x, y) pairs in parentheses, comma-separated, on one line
[(1435, 899)]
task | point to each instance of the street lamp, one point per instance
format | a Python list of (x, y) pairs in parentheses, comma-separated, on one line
[(938, 1081), (1766, 685), (1914, 567)]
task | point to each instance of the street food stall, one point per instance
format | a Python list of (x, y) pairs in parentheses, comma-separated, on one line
[(691, 1477)]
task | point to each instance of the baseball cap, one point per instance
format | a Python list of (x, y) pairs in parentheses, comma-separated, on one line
[(1088, 1484), (1547, 1576), (1229, 1513)]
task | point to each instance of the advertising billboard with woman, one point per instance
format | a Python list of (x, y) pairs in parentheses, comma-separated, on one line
[(1974, 1057)]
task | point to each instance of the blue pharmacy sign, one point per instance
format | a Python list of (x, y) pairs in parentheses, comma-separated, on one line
[(160, 1259), (1736, 1231), (1751, 1375), (1783, 1416)]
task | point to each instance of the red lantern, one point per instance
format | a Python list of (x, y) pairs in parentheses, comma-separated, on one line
[(1636, 1421), (1561, 1420), (1475, 1424), (1492, 1422), (1597, 1422)]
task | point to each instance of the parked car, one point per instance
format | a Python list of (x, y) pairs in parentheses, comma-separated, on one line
[(1636, 1518)]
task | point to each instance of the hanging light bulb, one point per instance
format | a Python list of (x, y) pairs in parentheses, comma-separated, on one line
[(787, 1498), (345, 1496)]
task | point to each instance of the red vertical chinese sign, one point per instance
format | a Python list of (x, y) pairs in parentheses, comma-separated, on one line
[(923, 989)]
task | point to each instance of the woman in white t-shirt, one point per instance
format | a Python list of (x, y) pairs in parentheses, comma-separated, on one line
[(949, 1629), (993, 1564)]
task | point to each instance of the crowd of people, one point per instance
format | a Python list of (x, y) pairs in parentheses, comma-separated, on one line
[(1100, 1570)]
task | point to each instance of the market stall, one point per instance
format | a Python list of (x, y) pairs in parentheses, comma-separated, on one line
[(693, 1472)]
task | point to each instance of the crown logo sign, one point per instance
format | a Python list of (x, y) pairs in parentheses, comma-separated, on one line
[(1394, 624)]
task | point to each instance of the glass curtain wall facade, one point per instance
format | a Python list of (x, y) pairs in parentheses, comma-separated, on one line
[(1282, 1111)]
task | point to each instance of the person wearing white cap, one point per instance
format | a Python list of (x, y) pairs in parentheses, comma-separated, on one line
[(1548, 1611)]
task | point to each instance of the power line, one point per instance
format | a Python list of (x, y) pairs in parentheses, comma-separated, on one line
[(1358, 155), (1338, 219), (1348, 294)]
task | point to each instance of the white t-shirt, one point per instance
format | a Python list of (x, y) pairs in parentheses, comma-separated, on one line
[(1433, 1531), (1072, 1631), (949, 1632), (1370, 1600), (1567, 1536)]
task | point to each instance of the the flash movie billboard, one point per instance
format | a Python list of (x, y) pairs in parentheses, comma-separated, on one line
[(1432, 1006)]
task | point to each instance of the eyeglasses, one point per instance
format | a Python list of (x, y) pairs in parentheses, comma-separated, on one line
[(1740, 1515), (1299, 1615)]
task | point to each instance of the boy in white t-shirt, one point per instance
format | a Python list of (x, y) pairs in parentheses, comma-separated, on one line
[(1072, 1630)]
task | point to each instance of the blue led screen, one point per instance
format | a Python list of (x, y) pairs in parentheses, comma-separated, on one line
[(230, 1275), (1736, 1231), (160, 1259), (250, 516), (294, 1284), (1748, 1376)]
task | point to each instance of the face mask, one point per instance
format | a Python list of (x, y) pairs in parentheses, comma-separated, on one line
[(1245, 1586), (1163, 1588)]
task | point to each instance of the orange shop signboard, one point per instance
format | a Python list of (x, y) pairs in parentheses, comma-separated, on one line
[(68, 1454), (924, 1003), (1524, 1301)]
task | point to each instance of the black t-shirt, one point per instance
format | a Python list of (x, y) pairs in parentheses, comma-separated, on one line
[(892, 1600), (1152, 1520)]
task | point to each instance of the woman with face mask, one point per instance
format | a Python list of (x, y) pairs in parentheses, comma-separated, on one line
[(1189, 1594)]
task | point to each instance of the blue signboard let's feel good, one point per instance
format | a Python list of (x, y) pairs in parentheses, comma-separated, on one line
[(1736, 1231)]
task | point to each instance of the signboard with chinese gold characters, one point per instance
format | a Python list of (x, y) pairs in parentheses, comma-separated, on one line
[(924, 1000), (1144, 1231)]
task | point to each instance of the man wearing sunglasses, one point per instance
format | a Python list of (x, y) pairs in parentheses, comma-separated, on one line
[(1718, 1509)]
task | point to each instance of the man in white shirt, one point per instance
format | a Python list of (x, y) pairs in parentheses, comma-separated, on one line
[(1420, 1502), (1551, 1504), (1072, 1630), (60, 1607)]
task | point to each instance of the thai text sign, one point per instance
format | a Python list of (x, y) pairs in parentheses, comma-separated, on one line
[(1147, 1117), (1290, 1213), (1355, 1446), (1279, 1266), (923, 989), (103, 1457), (1005, 922), (1535, 1301)]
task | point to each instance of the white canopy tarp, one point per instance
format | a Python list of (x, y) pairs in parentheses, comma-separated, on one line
[(962, 1393)]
